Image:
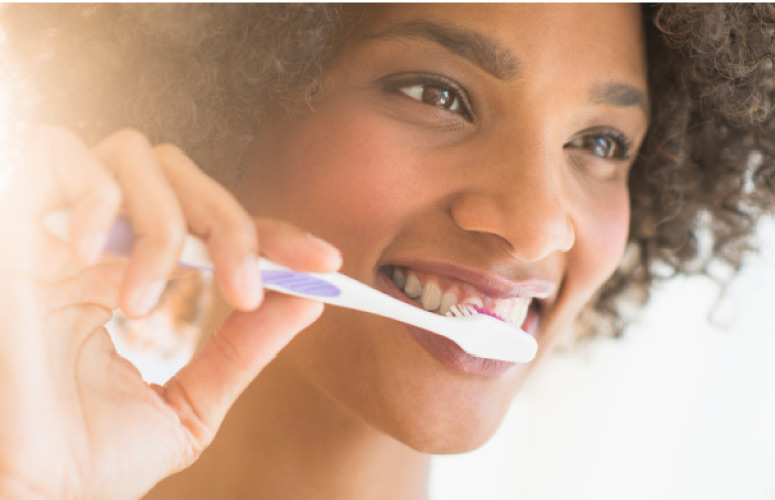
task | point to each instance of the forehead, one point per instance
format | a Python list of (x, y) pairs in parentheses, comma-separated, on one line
[(581, 41)]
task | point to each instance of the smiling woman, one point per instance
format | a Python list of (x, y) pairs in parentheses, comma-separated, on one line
[(489, 203), (495, 157)]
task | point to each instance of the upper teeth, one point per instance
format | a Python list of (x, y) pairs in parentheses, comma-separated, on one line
[(431, 297), (412, 286), (434, 297)]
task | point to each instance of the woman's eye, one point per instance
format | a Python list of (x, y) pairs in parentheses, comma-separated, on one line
[(432, 89), (609, 146), (435, 95)]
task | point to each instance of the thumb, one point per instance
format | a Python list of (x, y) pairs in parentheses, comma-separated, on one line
[(203, 391)]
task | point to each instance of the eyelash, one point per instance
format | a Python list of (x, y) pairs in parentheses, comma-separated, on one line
[(423, 81)]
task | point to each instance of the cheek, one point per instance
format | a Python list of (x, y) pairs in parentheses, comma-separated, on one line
[(607, 236), (344, 176), (601, 237)]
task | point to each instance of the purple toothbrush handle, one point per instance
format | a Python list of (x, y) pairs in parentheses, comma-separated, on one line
[(121, 239), (299, 283)]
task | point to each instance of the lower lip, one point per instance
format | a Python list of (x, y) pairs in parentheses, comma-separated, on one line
[(442, 348)]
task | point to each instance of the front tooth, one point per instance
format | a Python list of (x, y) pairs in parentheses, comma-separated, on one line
[(448, 300), (518, 314), (503, 309), (399, 278), (431, 297), (413, 289), (474, 301)]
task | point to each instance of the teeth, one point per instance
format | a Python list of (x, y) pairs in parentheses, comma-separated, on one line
[(399, 278), (473, 300), (413, 289), (518, 313), (431, 297), (448, 300), (503, 310)]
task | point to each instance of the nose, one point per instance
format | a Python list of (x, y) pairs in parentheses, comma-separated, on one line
[(525, 207)]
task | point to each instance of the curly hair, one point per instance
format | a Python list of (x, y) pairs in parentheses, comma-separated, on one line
[(204, 76)]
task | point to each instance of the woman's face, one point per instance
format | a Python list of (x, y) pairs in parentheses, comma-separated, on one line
[(462, 153)]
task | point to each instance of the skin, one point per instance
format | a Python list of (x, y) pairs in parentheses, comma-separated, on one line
[(509, 190), (76, 419)]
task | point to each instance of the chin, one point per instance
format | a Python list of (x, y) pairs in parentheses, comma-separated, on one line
[(376, 373), (425, 437)]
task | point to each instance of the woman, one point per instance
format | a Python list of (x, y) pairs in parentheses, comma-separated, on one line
[(451, 153)]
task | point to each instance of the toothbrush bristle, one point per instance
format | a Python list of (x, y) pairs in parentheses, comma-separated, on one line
[(460, 311), (488, 313), (463, 310)]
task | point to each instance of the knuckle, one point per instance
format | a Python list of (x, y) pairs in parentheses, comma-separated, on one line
[(131, 138), (108, 193), (169, 150), (172, 230), (237, 226), (199, 430), (280, 227), (230, 353), (171, 156), (247, 231), (166, 231)]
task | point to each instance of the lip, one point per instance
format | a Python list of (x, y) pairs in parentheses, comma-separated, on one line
[(445, 350), (488, 283)]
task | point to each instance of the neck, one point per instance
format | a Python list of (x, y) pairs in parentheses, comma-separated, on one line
[(286, 439)]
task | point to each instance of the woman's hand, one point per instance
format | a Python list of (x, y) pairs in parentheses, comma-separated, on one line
[(76, 420)]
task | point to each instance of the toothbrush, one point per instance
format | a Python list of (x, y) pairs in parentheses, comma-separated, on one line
[(478, 334)]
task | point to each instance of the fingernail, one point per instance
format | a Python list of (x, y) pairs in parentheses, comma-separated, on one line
[(93, 246), (145, 299), (249, 282)]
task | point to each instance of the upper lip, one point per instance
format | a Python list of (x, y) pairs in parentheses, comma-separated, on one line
[(492, 284)]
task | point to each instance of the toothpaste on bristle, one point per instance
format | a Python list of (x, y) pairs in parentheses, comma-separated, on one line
[(488, 313)]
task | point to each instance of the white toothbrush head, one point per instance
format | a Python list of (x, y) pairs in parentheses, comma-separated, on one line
[(484, 335)]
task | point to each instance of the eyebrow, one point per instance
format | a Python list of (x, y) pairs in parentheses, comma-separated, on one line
[(471, 45), (618, 94), (500, 62)]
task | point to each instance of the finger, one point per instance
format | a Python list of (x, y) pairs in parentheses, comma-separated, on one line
[(154, 213), (216, 217), (288, 245), (203, 391), (90, 189), (61, 172)]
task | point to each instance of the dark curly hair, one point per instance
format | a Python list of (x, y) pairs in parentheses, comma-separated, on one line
[(203, 77)]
